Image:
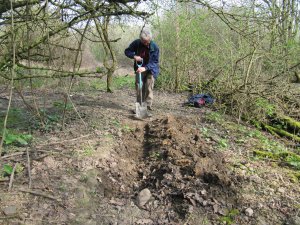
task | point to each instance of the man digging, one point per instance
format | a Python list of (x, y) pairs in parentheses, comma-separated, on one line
[(145, 53)]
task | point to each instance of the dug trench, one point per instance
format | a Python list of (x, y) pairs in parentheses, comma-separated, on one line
[(177, 174)]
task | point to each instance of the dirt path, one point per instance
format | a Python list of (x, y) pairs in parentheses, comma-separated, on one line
[(181, 166)]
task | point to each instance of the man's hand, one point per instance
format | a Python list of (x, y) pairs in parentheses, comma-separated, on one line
[(141, 69), (138, 58)]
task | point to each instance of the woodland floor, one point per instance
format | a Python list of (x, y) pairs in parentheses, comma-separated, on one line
[(195, 166)]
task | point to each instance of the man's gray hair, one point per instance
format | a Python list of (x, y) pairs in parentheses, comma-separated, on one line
[(145, 34)]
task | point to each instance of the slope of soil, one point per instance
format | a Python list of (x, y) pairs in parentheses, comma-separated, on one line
[(181, 166)]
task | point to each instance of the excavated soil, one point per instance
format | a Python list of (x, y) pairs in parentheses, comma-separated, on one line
[(173, 168)]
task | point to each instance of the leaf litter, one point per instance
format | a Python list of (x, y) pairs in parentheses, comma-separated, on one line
[(173, 163)]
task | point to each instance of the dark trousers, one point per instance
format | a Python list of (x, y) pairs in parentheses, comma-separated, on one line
[(147, 88)]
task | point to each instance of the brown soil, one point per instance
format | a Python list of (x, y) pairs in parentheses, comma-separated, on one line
[(93, 171)]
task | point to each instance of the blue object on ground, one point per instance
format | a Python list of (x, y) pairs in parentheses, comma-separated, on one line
[(200, 100)]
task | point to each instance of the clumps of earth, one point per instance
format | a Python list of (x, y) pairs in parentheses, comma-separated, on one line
[(180, 176), (165, 170)]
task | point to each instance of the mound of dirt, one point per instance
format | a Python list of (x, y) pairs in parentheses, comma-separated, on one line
[(182, 172)]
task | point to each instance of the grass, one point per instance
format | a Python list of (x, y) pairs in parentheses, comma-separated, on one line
[(223, 143), (288, 158), (119, 82), (230, 216), (115, 123), (83, 178), (205, 131), (262, 146), (61, 105), (123, 82), (294, 176), (17, 118), (98, 85), (273, 150), (62, 188), (215, 117), (88, 151), (127, 128)]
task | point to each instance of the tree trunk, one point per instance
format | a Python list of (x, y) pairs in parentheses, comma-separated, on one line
[(102, 29), (177, 48), (109, 81)]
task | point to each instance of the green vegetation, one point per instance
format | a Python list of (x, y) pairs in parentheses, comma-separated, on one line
[(223, 143), (266, 148), (118, 82), (154, 155), (215, 117), (221, 56), (230, 216), (292, 123), (288, 158), (123, 81), (16, 138), (294, 176), (17, 118), (115, 123), (281, 132), (127, 128), (8, 169), (84, 178), (98, 85), (205, 131), (49, 121), (88, 151), (61, 105), (229, 62), (264, 107)]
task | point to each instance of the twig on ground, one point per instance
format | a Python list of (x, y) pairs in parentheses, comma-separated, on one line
[(28, 168), (62, 141), (42, 156), (38, 146), (12, 155), (9, 217), (12, 178), (40, 194), (51, 152), (4, 180), (42, 221), (22, 152)]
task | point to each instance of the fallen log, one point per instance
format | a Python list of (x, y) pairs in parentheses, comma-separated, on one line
[(291, 123), (282, 133)]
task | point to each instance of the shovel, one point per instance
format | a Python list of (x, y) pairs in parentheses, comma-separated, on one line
[(140, 107)]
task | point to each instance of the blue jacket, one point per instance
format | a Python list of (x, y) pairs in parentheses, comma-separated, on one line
[(153, 64)]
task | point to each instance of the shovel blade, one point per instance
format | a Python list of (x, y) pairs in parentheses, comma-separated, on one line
[(141, 110)]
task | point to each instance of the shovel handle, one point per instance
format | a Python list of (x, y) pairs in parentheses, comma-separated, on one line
[(139, 64), (140, 87), (140, 81)]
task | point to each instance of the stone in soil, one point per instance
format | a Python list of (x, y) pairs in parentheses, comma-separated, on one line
[(143, 197), (10, 210), (144, 221), (249, 212)]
